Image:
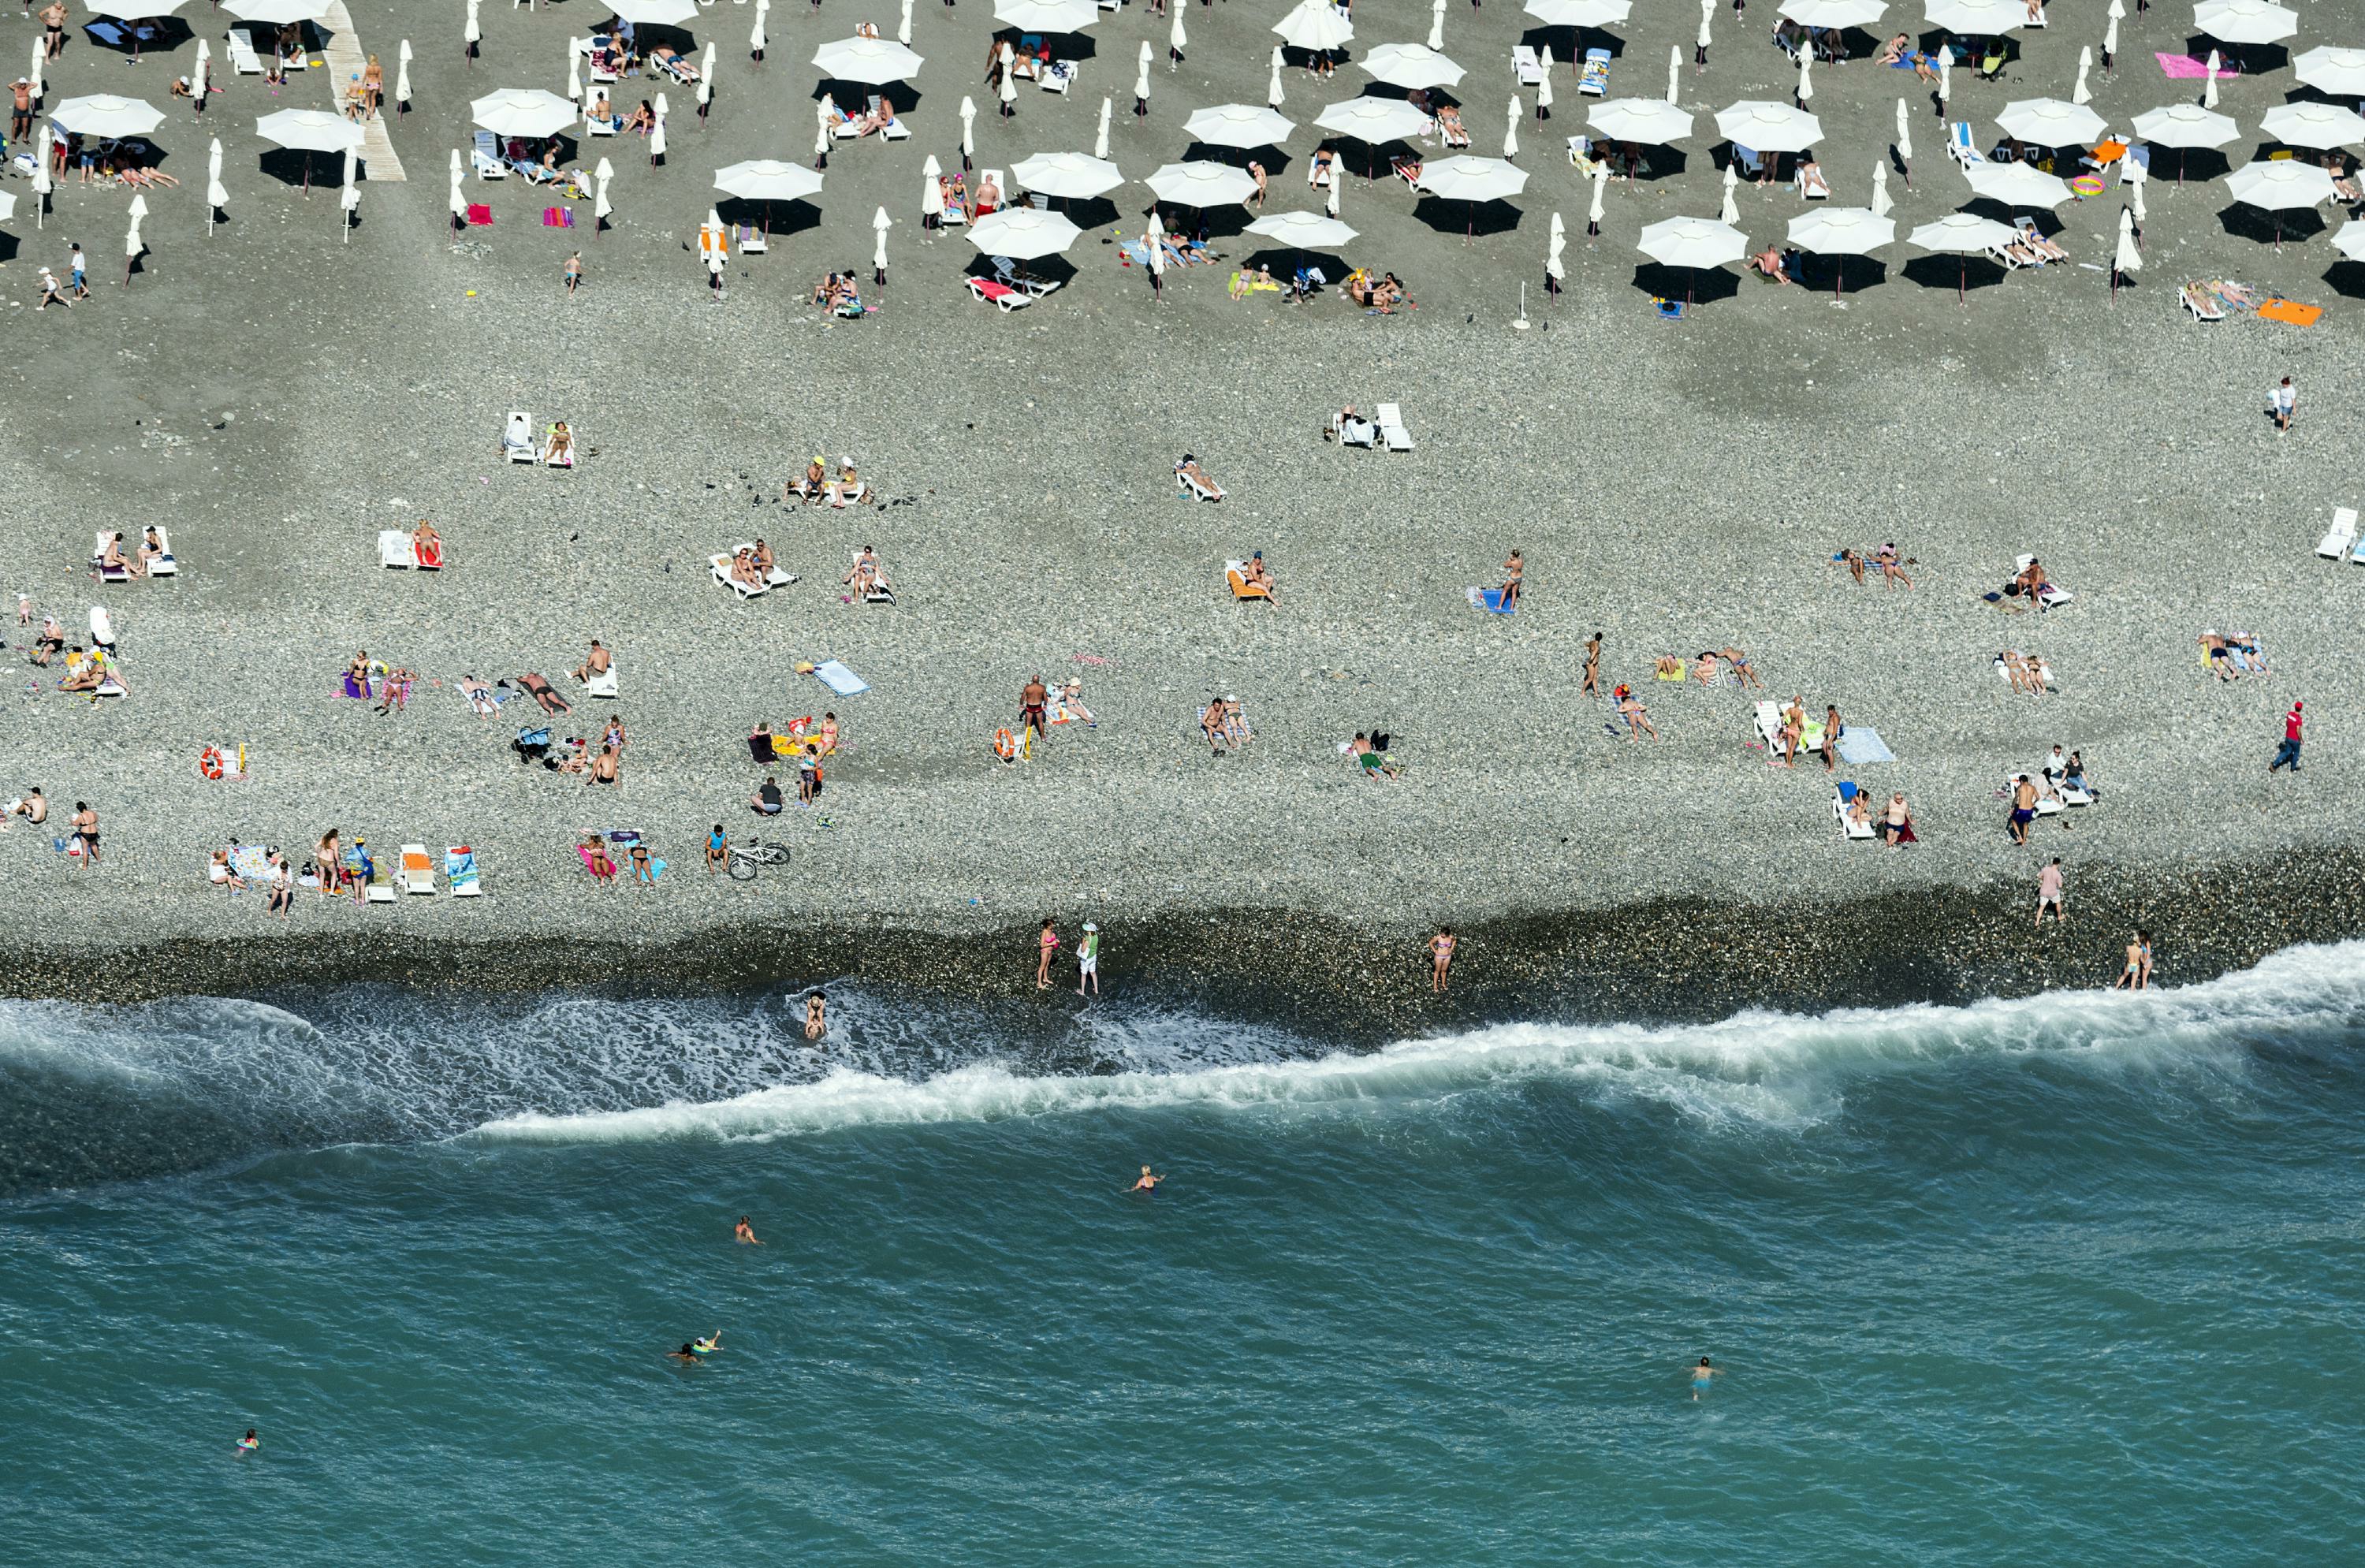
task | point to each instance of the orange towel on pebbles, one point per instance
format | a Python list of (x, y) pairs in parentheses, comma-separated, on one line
[(2291, 312)]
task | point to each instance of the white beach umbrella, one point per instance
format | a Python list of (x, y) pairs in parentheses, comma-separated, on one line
[(310, 131), (2136, 180), (1965, 235), (2050, 122), (658, 130), (1411, 66), (574, 74), (1437, 24), (1766, 127), (402, 73), (217, 193), (1272, 94), (1708, 16), (1647, 120), (2183, 126), (1023, 233), (1316, 25), (1675, 71), (458, 197), (1832, 12), (107, 115), (1511, 128), (652, 12), (2330, 70), (1069, 175), (1578, 13), (757, 41), (276, 13), (2109, 36), (41, 55), (879, 224), (706, 79), (2128, 258), (1692, 243), (903, 26), (1238, 125), (767, 179), (522, 111), (1595, 208), (1465, 178), (968, 127), (1881, 206), (42, 184), (8, 206), (1806, 91), (1555, 268), (2280, 185), (2209, 86), (1374, 119), (1100, 138), (2018, 185), (2245, 21), (932, 194), (1141, 76), (1730, 210), (132, 244), (1904, 140), (1842, 231), (1175, 38), (1302, 230), (2081, 94), (1202, 184), (1543, 84), (2310, 123), (2350, 240), (1946, 77), (1047, 16), (1007, 88), (1337, 185), (600, 207), (349, 198), (872, 62), (1976, 18)]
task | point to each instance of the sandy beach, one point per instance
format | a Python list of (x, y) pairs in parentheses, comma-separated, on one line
[(275, 396)]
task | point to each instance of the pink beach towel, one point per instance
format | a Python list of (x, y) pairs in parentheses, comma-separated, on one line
[(2185, 68)]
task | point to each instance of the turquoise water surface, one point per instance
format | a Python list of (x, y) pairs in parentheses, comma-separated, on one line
[(2073, 1280)]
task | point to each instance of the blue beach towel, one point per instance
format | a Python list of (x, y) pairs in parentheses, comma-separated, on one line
[(1860, 744), (1490, 599), (840, 679)]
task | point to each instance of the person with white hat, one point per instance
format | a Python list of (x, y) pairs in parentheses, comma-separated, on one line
[(1088, 959), (50, 293)]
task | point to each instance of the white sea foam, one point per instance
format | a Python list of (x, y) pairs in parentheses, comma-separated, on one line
[(1764, 1069)]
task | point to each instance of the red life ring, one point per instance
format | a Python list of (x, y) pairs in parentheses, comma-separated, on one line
[(210, 762), (1005, 744)]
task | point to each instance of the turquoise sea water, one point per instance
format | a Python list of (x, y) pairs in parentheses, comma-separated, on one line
[(2075, 1279)]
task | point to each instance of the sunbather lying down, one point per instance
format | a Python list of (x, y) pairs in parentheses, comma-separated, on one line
[(540, 690), (1192, 477)]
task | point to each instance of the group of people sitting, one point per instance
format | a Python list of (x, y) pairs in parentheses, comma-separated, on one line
[(1895, 822), (2033, 249), (605, 114), (2233, 655), (1180, 250), (150, 549), (1900, 52), (1777, 263), (815, 486), (2028, 585), (1383, 294), (839, 294), (1225, 725), (801, 736), (1887, 558), (752, 565), (89, 672), (1703, 670), (601, 861)]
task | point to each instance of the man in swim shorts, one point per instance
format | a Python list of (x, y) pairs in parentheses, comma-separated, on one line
[(1033, 722), (1701, 1375)]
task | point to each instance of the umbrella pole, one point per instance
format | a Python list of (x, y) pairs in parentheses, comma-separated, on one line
[(1839, 275), (1471, 227)]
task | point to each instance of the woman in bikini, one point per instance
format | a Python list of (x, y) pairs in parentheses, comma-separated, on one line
[(1048, 944)]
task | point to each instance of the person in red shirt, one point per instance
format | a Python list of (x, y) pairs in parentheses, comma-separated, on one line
[(2289, 751)]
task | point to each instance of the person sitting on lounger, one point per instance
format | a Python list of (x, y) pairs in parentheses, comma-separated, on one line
[(848, 486), (743, 569), (597, 661), (1408, 169), (1892, 568), (152, 550), (1810, 179), (1256, 574), (866, 574), (1449, 124), (1067, 707), (1324, 168), (988, 194), (1189, 469), (112, 558), (1768, 263), (559, 451), (601, 112), (807, 486)]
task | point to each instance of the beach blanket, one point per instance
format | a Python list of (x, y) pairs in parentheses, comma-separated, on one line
[(251, 861), (2185, 68), (2291, 312), (1489, 600), (1861, 743), (840, 679), (479, 214), (557, 217)]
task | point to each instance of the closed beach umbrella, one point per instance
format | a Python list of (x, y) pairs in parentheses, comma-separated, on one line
[(2340, 71), (1141, 78), (1766, 127), (969, 130), (458, 197), (2280, 186), (1578, 13), (1437, 24), (600, 209), (1881, 206), (522, 111), (472, 31), (1708, 16), (2209, 86), (1100, 138), (2127, 258), (1976, 18), (657, 132), (1692, 243), (105, 115), (879, 224), (706, 79), (349, 197), (1272, 94), (199, 72), (1543, 85), (1832, 12), (1730, 212), (574, 74), (1156, 238), (1302, 230), (1411, 66), (1337, 185), (1555, 268), (872, 62), (276, 13), (1047, 16), (1596, 207), (41, 54), (2050, 122), (932, 194), (1008, 87), (1904, 139), (42, 184), (402, 73), (1675, 71), (2081, 94), (2313, 124), (1202, 184), (2110, 36), (1238, 125), (2183, 126), (2350, 240), (1647, 120), (1806, 77), (1842, 231), (1068, 176), (1023, 233), (2245, 21), (1316, 25), (903, 26), (1175, 39), (1511, 129), (766, 179), (826, 111), (1373, 120), (132, 244), (652, 12), (217, 194), (2018, 185), (757, 41), (1946, 80), (1962, 234)]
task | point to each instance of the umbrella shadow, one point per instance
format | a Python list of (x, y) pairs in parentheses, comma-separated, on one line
[(1207, 223), (1588, 38), (2346, 277), (777, 219), (1702, 286), (1850, 275), (1284, 260), (1274, 159), (1953, 272), (290, 165), (1049, 269), (9, 246), (2048, 223), (2243, 221), (1782, 165), (1857, 44), (158, 35), (1078, 47), (1968, 57), (901, 96), (1088, 213), (1473, 219), (2195, 165), (2239, 59)]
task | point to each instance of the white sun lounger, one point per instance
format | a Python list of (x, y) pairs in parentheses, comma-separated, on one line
[(1194, 488), (417, 871), (2054, 596), (395, 549), (602, 683), (722, 565), (1960, 147), (164, 566), (1770, 729), (516, 438), (1526, 70), (98, 543), (2342, 536), (1392, 427), (239, 43), (2044, 671)]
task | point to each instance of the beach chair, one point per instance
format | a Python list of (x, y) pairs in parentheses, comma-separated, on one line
[(1526, 70), (2342, 536), (722, 565), (1593, 81), (1809, 181), (999, 293), (164, 566), (1358, 431), (602, 683), (2034, 239), (517, 437), (1392, 432), (609, 126), (1751, 161), (2052, 595), (1008, 271), (2003, 256), (1960, 147), (460, 872), (484, 157), (2359, 555), (395, 549), (2201, 303), (417, 871), (565, 459), (1058, 76), (1844, 797), (750, 242), (1187, 485), (1236, 573), (239, 45), (896, 131)]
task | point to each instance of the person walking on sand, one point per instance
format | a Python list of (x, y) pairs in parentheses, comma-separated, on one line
[(1046, 944), (1440, 958), (574, 272), (50, 293), (2048, 891), (2283, 403), (1088, 959), (1592, 687), (2287, 754), (78, 272)]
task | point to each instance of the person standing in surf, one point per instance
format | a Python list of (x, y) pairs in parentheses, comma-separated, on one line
[(1088, 959), (1045, 945), (1440, 958), (2138, 965)]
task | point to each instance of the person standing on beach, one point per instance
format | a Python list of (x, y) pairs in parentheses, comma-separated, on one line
[(1088, 959), (2048, 891), (2283, 403), (2131, 977), (574, 272), (1440, 958), (85, 824), (1592, 687), (1032, 698), (1831, 727), (2287, 754), (1046, 944), (78, 272)]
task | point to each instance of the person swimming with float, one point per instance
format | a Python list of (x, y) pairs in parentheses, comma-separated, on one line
[(745, 1232), (1149, 1184), (708, 1345), (250, 1442), (1701, 1375)]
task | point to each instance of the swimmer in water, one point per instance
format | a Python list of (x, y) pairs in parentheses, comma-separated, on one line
[(250, 1442), (1701, 1375), (817, 1015), (1149, 1184), (686, 1356), (745, 1232)]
